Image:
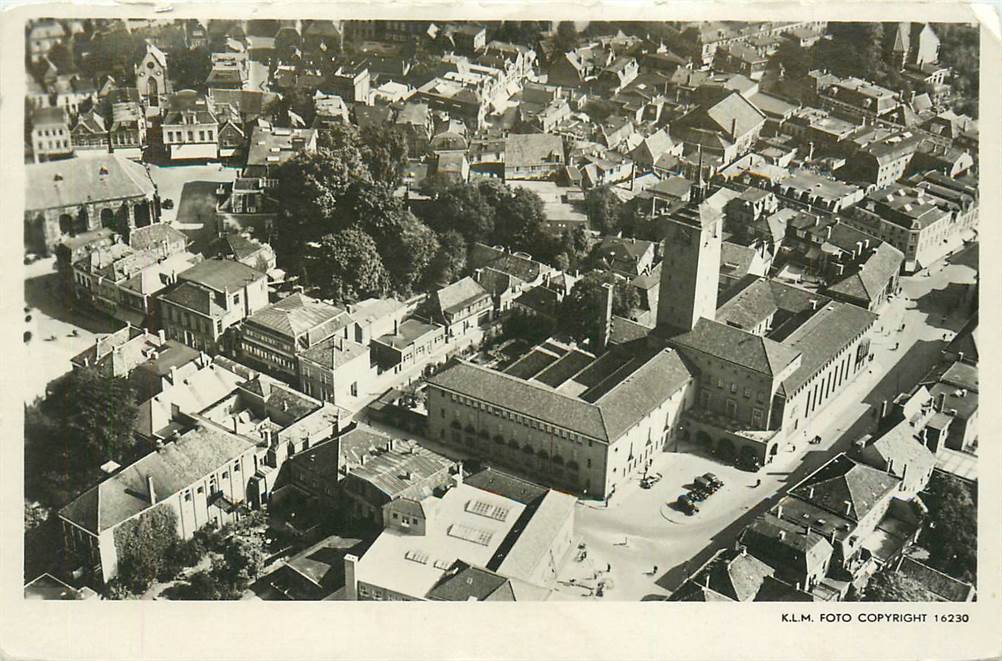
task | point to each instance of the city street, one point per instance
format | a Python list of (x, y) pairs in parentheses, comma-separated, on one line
[(637, 531), (58, 332)]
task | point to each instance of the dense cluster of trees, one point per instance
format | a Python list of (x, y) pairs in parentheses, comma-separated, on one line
[(347, 234), (338, 208), (610, 215), (496, 214), (86, 419), (142, 545), (951, 533), (960, 49), (582, 312), (237, 561)]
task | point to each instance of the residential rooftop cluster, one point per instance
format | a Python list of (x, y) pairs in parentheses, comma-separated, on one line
[(733, 241)]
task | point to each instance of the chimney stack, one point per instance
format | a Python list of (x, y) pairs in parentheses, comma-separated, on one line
[(810, 493), (603, 341), (150, 490), (173, 375), (883, 409), (782, 535), (162, 335), (350, 584), (942, 401), (779, 511), (848, 507)]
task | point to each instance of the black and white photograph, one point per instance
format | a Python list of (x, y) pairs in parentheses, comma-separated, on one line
[(498, 310)]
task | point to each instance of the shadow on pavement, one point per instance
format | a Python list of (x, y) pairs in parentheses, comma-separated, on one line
[(940, 304), (43, 294)]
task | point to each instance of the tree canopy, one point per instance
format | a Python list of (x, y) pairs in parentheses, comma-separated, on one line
[(189, 68), (582, 312), (891, 586), (951, 533), (98, 411), (960, 49), (347, 267)]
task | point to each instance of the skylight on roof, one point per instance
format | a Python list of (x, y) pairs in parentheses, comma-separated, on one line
[(471, 534), (420, 557), (491, 511)]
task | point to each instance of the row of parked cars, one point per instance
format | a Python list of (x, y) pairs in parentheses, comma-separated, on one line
[(704, 486)]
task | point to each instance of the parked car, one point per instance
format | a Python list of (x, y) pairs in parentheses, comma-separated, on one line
[(686, 505), (705, 485), (698, 495), (714, 480), (747, 464)]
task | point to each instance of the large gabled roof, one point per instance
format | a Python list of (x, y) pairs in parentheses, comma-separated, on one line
[(296, 315), (735, 115), (845, 487), (222, 275), (81, 181), (737, 346), (823, 336), (872, 278), (176, 466), (529, 398)]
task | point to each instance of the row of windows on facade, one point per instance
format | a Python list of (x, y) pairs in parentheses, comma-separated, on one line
[(192, 321), (54, 144), (50, 132), (733, 387), (186, 494), (203, 136), (731, 406), (269, 356), (515, 448), (517, 418)]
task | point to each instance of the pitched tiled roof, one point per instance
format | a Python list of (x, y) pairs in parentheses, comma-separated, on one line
[(899, 448), (144, 238), (658, 378), (195, 298), (867, 283), (739, 577), (737, 346), (459, 295), (222, 275), (176, 466), (530, 399), (506, 485), (532, 148), (789, 547), (604, 412), (82, 181), (823, 336), (845, 487), (735, 115), (296, 314), (464, 582), (943, 586)]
